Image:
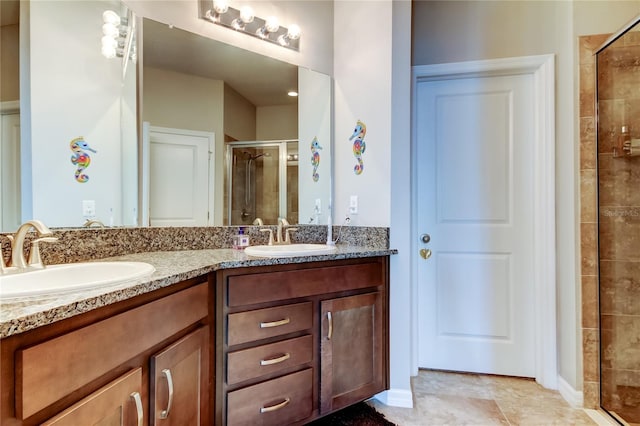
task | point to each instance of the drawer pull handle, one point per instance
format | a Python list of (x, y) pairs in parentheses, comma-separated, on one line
[(165, 413), (139, 413), (330, 318), (275, 360), (275, 407), (275, 323)]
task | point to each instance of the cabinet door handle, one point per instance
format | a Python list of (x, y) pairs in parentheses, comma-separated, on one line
[(275, 407), (275, 323), (165, 413), (330, 318), (275, 360), (139, 413)]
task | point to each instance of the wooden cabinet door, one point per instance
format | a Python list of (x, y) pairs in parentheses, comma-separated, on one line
[(352, 350), (116, 404), (180, 382)]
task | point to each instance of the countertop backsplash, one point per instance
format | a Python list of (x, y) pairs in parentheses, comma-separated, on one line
[(77, 245)]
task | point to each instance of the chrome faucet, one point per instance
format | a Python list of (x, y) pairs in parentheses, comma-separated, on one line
[(258, 221), (282, 223), (18, 260)]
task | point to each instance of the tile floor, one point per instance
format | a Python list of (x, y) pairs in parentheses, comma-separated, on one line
[(443, 398)]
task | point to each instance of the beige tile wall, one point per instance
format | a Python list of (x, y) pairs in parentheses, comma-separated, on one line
[(588, 220)]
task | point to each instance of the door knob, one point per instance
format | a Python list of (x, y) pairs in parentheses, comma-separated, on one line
[(425, 253), (425, 238)]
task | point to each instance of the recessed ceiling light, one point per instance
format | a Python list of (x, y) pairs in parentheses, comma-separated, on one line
[(292, 93)]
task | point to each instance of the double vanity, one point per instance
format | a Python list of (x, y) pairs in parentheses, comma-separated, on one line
[(211, 336)]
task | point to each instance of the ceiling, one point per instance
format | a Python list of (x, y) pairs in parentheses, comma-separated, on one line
[(261, 80)]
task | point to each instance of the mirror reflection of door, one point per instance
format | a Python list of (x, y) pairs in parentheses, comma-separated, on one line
[(180, 189), (261, 182)]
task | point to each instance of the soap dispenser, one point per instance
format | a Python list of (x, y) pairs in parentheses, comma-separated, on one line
[(240, 240)]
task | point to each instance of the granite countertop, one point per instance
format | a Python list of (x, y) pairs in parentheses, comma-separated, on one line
[(171, 267)]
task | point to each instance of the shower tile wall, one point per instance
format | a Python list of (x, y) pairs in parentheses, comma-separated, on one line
[(618, 193), (588, 220)]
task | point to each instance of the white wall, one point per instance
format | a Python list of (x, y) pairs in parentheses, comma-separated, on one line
[(277, 122), (362, 58), (239, 116), (75, 91)]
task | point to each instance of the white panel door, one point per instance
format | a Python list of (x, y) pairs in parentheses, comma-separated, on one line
[(180, 171), (475, 200)]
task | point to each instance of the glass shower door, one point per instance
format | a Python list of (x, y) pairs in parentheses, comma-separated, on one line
[(255, 184), (618, 103)]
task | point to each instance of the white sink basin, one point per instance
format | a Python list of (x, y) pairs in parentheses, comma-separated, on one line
[(289, 250), (59, 279)]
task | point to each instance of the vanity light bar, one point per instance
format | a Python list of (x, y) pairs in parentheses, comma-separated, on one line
[(244, 21)]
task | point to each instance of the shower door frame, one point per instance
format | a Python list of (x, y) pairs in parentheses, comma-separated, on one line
[(281, 144)]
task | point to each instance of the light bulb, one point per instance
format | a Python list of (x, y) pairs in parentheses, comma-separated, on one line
[(109, 42), (246, 14), (294, 32), (111, 17), (110, 30), (108, 52), (271, 24), (220, 6)]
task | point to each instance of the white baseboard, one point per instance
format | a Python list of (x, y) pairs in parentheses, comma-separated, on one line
[(396, 398), (574, 397)]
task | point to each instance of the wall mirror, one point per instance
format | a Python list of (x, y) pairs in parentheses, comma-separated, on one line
[(73, 91), (269, 154), (73, 103)]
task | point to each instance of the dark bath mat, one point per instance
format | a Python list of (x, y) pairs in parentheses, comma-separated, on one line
[(361, 414)]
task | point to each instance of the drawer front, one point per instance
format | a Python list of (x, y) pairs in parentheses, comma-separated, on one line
[(266, 359), (259, 324), (273, 286), (53, 369), (279, 401)]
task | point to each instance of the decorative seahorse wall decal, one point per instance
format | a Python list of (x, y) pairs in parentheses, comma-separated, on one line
[(315, 158), (80, 157), (359, 146)]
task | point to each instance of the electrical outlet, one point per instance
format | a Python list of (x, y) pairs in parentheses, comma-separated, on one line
[(318, 207), (88, 209), (353, 204)]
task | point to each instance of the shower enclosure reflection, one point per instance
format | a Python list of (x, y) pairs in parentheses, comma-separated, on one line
[(261, 182)]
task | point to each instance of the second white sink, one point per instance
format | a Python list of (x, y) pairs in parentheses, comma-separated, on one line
[(66, 278), (289, 250)]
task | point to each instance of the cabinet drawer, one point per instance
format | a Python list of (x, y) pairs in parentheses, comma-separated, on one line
[(53, 369), (117, 403), (263, 323), (266, 359), (272, 286), (279, 401)]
